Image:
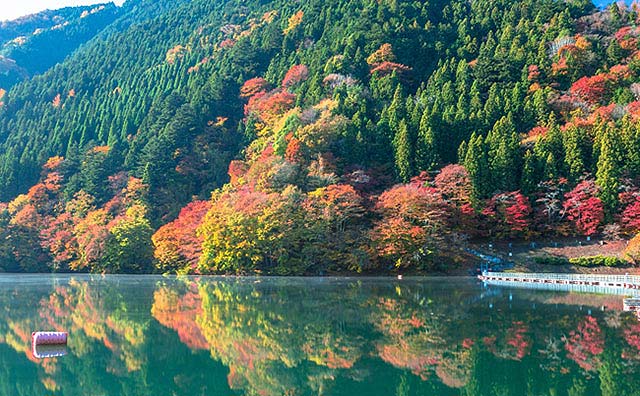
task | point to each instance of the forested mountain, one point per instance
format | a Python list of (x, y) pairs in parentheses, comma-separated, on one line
[(32, 44), (269, 136)]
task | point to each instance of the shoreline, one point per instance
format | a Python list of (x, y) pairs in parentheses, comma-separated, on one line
[(467, 260)]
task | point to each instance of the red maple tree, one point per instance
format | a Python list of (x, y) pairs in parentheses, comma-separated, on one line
[(511, 213), (590, 89), (584, 208), (295, 75), (253, 86)]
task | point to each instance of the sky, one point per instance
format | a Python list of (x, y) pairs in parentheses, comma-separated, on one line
[(604, 3), (12, 9)]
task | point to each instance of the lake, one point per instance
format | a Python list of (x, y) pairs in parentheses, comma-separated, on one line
[(149, 335)]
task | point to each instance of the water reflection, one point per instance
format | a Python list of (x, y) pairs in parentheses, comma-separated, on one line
[(48, 351), (215, 336)]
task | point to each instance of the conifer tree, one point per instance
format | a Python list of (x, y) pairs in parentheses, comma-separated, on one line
[(426, 151), (404, 152), (574, 158), (396, 110), (550, 167), (630, 137), (477, 165), (530, 176), (608, 171), (462, 152), (504, 155)]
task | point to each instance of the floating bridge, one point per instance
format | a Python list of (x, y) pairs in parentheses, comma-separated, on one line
[(623, 285), (627, 285)]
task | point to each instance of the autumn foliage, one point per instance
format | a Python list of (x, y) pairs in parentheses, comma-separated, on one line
[(590, 89), (584, 208), (253, 87), (632, 251), (511, 214), (454, 184), (271, 105), (177, 244), (492, 132), (411, 226), (630, 218), (294, 21), (585, 344), (295, 75), (382, 54)]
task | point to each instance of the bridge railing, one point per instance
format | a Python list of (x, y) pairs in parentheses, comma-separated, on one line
[(608, 284), (568, 277)]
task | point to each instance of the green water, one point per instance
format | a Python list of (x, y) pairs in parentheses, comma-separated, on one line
[(228, 336)]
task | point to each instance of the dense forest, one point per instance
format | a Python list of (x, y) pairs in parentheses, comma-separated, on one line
[(328, 136)]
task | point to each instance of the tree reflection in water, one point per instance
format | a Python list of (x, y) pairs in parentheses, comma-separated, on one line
[(263, 336)]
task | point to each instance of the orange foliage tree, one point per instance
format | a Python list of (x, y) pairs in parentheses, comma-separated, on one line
[(454, 184), (294, 21), (177, 245), (632, 251), (268, 107), (253, 86), (382, 54), (295, 75), (411, 227)]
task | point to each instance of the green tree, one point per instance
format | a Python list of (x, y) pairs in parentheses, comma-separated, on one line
[(403, 145), (530, 175), (504, 155), (477, 165), (427, 157), (608, 170), (129, 248), (574, 162)]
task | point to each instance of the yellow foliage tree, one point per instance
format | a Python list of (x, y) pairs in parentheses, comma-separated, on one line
[(632, 251), (294, 21)]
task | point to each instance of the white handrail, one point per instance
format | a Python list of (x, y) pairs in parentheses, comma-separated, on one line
[(581, 282)]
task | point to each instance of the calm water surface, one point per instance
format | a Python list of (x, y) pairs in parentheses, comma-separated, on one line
[(227, 336)]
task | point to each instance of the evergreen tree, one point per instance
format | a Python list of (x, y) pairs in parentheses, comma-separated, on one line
[(477, 165), (550, 167), (608, 171), (529, 180), (462, 152), (396, 111), (574, 158), (630, 137), (504, 155), (427, 157), (404, 152)]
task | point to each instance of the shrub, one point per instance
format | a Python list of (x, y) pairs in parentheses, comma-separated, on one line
[(551, 260), (598, 261)]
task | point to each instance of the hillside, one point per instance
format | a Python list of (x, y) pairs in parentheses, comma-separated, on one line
[(32, 44), (322, 136)]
